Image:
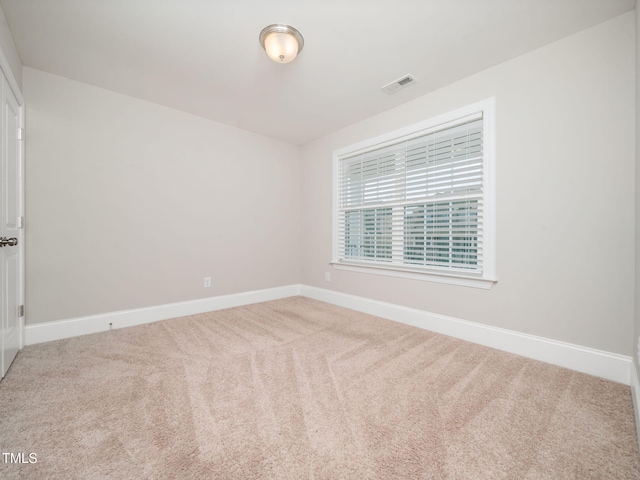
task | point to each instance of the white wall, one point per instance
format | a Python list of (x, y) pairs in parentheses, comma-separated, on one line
[(9, 49), (130, 204), (565, 194)]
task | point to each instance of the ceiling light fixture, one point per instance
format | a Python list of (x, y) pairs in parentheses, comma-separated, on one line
[(281, 42)]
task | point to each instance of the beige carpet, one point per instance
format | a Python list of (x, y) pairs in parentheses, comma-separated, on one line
[(299, 389)]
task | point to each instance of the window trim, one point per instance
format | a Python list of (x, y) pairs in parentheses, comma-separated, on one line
[(433, 274)]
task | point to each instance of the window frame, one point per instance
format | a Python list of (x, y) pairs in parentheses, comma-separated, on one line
[(487, 277)]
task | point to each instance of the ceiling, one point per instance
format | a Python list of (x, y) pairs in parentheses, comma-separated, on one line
[(203, 56)]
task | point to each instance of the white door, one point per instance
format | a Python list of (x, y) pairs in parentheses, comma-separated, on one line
[(11, 223)]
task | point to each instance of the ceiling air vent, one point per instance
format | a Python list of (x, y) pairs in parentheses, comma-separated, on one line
[(399, 83)]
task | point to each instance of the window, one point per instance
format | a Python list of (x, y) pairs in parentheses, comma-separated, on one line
[(419, 202)]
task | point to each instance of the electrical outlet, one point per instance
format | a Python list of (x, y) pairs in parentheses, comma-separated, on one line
[(327, 276), (207, 282)]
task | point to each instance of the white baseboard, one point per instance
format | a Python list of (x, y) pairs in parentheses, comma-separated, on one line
[(599, 363), (44, 332), (635, 396), (611, 366)]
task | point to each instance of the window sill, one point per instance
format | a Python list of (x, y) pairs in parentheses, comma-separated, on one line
[(445, 277)]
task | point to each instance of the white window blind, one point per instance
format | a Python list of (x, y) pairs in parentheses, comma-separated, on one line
[(415, 203)]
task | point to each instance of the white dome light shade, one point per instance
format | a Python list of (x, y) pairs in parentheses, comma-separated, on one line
[(281, 42), (281, 47)]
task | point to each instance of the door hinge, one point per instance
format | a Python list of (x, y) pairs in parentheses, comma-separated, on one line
[(20, 133), (21, 311), (20, 222)]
